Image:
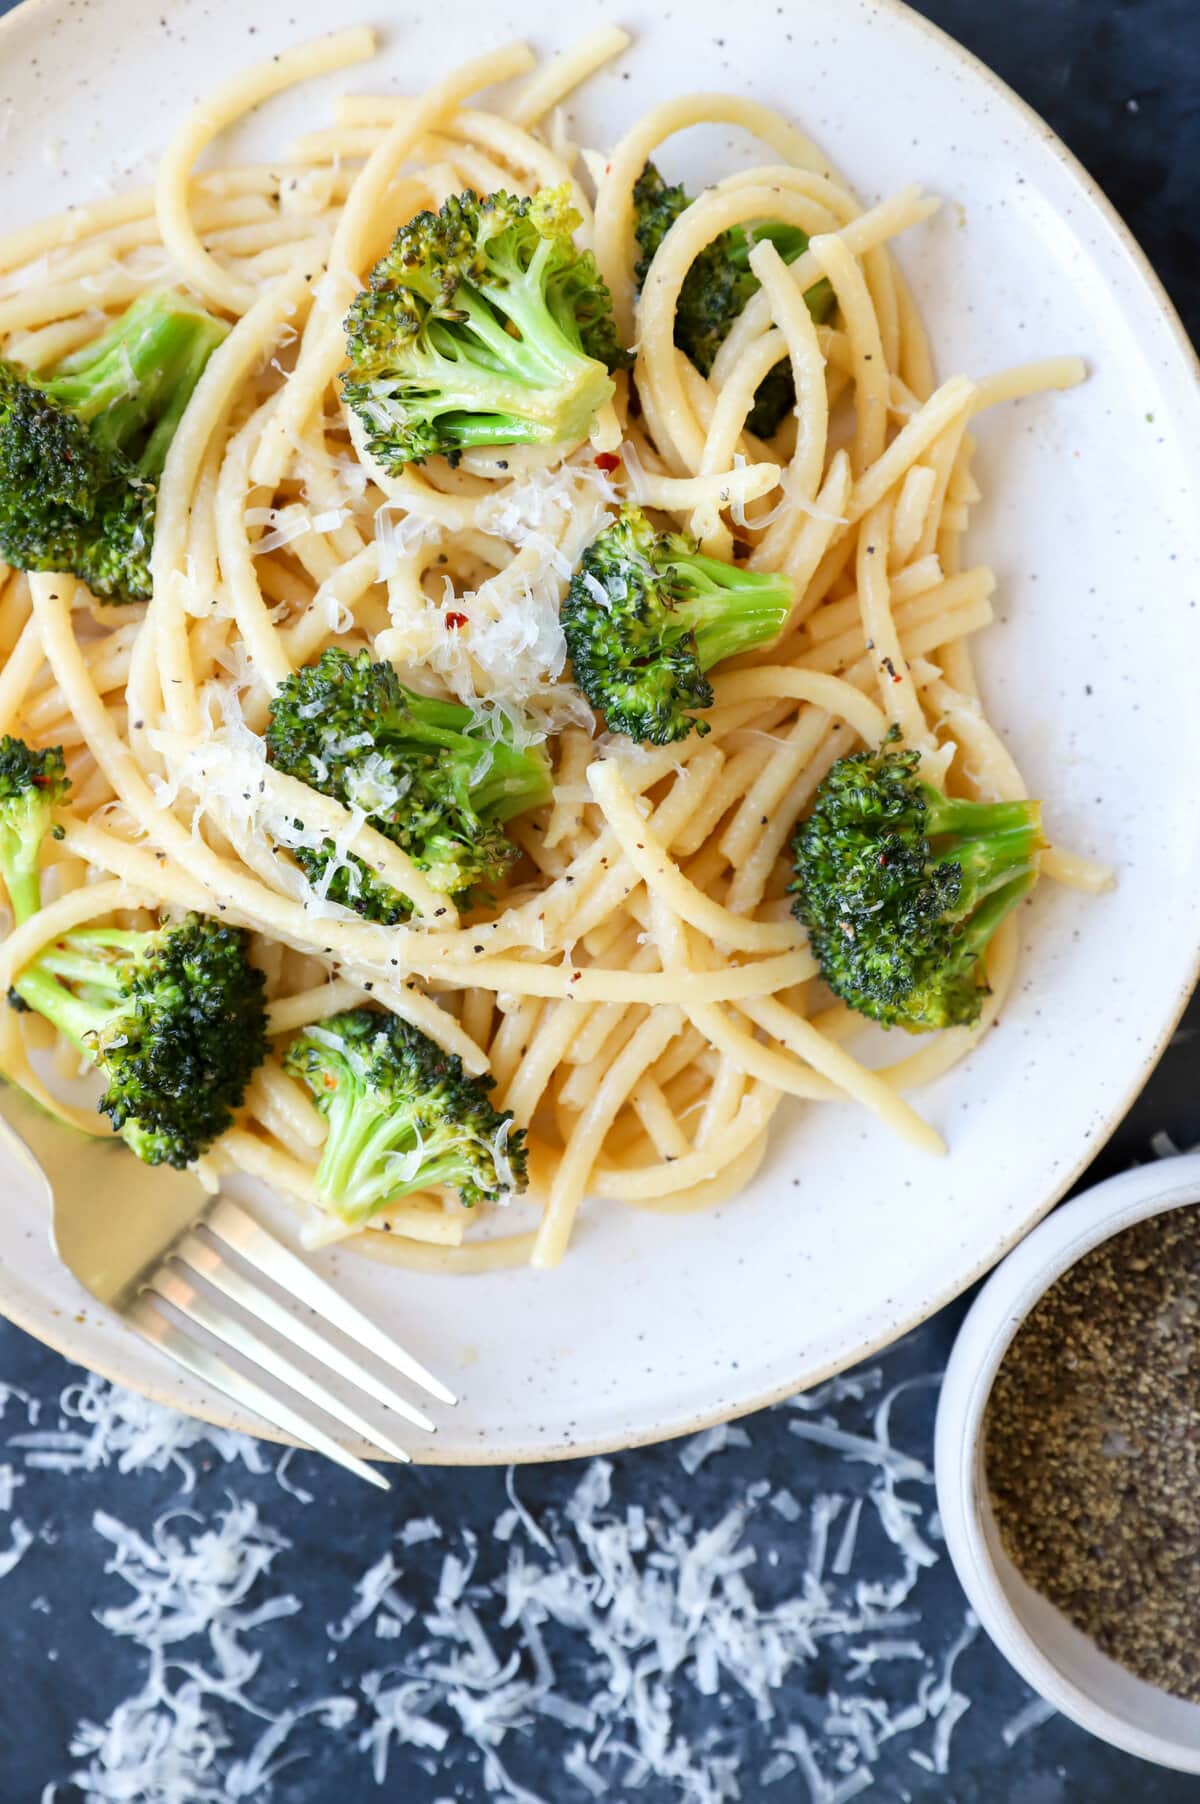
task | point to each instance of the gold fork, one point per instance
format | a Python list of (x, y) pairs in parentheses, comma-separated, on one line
[(138, 1238)]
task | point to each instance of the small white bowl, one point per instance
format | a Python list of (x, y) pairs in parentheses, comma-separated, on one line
[(1050, 1654)]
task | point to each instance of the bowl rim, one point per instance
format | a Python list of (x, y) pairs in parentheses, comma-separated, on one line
[(988, 1331), (54, 1330)]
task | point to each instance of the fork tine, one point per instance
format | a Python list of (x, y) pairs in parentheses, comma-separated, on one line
[(177, 1289), (243, 1233), (191, 1251), (206, 1366)]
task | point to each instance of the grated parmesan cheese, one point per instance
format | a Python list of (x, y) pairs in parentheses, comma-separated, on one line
[(20, 1541), (9, 1480), (615, 1633), (1036, 1712), (164, 1745), (118, 1427), (510, 652), (701, 1447), (226, 774), (375, 1590)]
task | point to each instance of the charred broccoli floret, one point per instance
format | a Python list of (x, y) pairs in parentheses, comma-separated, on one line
[(173, 1018), (719, 284), (901, 888), (403, 1115), (482, 325), (427, 774), (82, 446), (646, 615), (32, 785)]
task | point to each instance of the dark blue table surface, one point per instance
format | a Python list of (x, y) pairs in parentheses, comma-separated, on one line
[(1120, 81)]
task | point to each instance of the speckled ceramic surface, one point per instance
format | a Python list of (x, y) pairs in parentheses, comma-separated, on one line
[(846, 1238)]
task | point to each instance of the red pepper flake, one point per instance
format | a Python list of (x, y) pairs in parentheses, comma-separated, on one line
[(608, 461), (454, 620)]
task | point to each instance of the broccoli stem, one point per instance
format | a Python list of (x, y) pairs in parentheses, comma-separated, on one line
[(357, 1171), (544, 386), (511, 784), (988, 916), (788, 240), (425, 721), (993, 844), (497, 778), (133, 383), (87, 957), (22, 828), (989, 864), (729, 610), (94, 959), (79, 1018), (791, 243), (954, 814)]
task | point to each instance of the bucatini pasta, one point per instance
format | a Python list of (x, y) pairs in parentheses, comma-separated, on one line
[(640, 991)]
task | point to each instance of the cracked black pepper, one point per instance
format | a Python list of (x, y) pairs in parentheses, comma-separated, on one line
[(1092, 1444)]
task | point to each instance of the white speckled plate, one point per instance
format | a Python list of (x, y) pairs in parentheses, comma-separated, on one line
[(846, 1238)]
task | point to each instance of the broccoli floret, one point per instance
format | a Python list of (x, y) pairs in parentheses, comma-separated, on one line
[(719, 284), (82, 446), (403, 1115), (901, 888), (646, 615), (482, 325), (32, 785), (427, 774), (173, 1018)]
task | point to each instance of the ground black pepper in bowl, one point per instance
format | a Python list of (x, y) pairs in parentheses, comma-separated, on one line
[(1092, 1448)]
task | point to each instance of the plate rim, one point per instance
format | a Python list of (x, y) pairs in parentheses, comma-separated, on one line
[(46, 1331)]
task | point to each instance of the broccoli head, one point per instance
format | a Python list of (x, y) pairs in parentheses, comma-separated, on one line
[(482, 325), (719, 284), (173, 1018), (32, 785), (82, 445), (901, 888), (646, 615), (403, 1115), (427, 774)]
